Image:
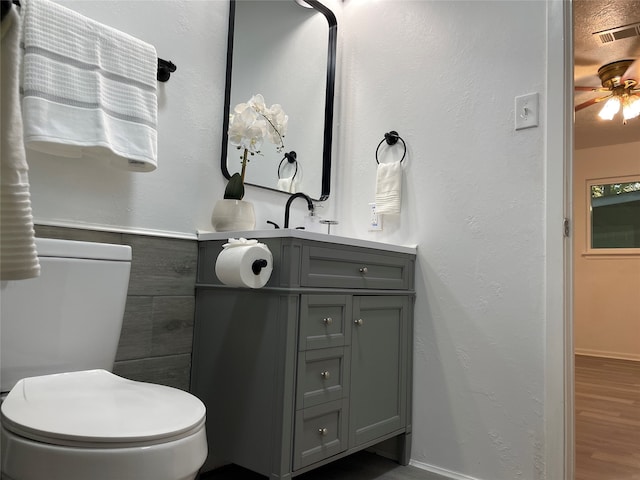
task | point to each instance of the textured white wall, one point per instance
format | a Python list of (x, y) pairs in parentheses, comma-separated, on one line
[(444, 75)]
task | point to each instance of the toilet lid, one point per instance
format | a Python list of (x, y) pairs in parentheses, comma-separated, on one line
[(99, 407)]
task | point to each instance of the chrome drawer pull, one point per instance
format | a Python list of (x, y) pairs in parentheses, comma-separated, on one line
[(327, 321), (359, 322), (364, 269), (325, 374), (323, 431)]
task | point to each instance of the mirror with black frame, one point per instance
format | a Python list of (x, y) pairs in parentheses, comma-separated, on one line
[(285, 51)]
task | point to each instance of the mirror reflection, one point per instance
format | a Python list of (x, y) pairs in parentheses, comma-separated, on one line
[(286, 53)]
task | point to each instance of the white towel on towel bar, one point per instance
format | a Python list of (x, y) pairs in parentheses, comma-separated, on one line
[(18, 256), (89, 90)]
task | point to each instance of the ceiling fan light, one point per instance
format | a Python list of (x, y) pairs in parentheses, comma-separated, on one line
[(611, 107), (631, 108)]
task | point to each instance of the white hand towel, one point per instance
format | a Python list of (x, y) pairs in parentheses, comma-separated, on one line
[(18, 256), (389, 188), (89, 90)]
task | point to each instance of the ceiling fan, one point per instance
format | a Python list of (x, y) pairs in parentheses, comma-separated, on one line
[(625, 95)]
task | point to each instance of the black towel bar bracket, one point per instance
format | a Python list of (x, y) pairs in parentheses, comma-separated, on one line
[(391, 138), (165, 69)]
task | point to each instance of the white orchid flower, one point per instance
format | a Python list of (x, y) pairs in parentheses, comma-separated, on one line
[(257, 103), (277, 124), (247, 128), (249, 124), (252, 122)]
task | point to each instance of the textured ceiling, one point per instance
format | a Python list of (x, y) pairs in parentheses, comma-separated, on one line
[(591, 16)]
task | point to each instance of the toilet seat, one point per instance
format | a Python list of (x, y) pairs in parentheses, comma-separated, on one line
[(97, 409)]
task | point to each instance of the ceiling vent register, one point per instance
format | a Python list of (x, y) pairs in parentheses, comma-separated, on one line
[(619, 33)]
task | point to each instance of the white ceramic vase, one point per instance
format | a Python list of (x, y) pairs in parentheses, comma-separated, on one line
[(233, 215)]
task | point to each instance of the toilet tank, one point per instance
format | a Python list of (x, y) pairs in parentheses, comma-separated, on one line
[(67, 319)]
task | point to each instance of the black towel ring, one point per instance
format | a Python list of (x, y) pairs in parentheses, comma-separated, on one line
[(291, 157), (392, 138)]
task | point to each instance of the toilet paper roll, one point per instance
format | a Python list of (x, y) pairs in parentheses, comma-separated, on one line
[(244, 263)]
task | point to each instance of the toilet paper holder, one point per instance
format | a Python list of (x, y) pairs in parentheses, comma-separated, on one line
[(258, 265), (244, 263)]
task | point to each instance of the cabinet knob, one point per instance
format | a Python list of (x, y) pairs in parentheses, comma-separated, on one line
[(323, 431), (359, 321), (325, 374), (327, 321), (364, 269)]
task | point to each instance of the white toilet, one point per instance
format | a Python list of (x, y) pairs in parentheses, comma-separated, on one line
[(66, 417)]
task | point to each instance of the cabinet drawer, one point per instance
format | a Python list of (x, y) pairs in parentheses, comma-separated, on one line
[(320, 432), (324, 321), (344, 268), (322, 376)]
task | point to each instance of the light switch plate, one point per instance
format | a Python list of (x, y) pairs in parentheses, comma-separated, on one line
[(526, 111)]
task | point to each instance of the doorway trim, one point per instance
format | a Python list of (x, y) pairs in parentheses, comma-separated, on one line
[(559, 374)]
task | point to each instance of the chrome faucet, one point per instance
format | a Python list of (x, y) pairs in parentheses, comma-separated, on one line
[(288, 206)]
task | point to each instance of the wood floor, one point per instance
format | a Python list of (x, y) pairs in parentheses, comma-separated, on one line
[(607, 419)]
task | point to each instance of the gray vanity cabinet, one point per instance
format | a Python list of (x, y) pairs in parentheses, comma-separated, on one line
[(312, 367)]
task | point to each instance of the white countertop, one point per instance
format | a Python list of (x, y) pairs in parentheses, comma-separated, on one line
[(306, 235)]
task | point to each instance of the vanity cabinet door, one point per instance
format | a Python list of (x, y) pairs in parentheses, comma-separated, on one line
[(379, 353)]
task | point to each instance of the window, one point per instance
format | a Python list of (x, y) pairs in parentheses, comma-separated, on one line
[(614, 207)]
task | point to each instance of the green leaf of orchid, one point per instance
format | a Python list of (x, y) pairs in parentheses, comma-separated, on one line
[(235, 188)]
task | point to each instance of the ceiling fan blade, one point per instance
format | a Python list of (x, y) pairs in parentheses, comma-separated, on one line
[(591, 89), (590, 102)]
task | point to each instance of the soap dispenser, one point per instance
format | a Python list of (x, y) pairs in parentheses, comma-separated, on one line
[(312, 220)]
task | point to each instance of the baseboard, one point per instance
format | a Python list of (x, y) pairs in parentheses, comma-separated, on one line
[(443, 472), (599, 353)]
